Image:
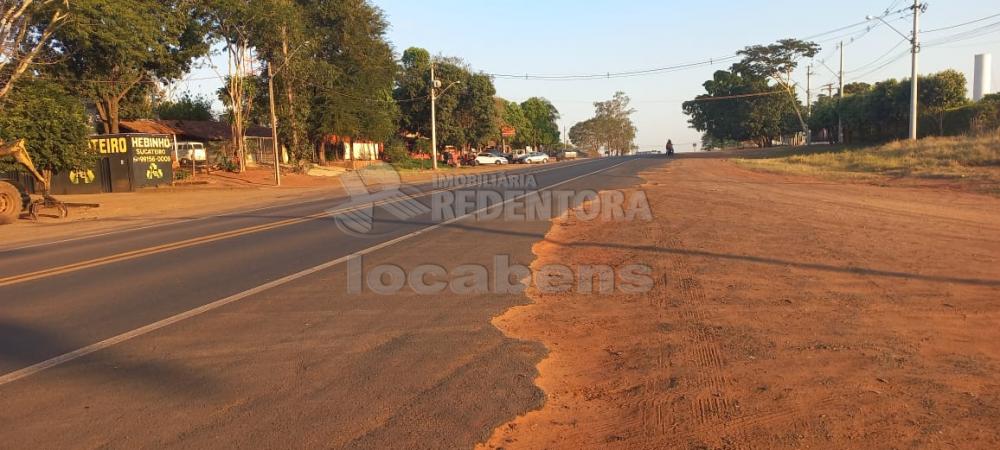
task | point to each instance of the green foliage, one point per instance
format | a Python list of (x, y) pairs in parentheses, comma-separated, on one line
[(477, 111), (467, 114), (741, 107), (352, 71), (510, 114), (111, 46), (880, 112), (611, 127), (776, 60), (413, 90), (986, 115), (53, 123), (742, 104), (187, 107), (543, 120)]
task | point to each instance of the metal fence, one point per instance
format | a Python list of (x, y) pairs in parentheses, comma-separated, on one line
[(259, 150)]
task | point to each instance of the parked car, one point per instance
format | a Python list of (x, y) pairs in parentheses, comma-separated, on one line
[(532, 158), (489, 158), (191, 151)]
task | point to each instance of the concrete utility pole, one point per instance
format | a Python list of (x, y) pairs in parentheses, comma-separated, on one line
[(434, 136), (274, 126), (840, 98), (917, 9), (915, 49)]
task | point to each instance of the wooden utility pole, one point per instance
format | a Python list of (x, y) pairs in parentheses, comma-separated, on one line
[(274, 125)]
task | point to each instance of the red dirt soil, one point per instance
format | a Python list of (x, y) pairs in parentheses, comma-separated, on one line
[(787, 312)]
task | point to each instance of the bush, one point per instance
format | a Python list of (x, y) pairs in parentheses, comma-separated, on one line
[(53, 123)]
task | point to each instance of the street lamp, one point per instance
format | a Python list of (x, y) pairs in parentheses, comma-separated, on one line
[(915, 49), (435, 84)]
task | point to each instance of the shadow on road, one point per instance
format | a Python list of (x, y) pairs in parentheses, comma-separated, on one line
[(22, 346)]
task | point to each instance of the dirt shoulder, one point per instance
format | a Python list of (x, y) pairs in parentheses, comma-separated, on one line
[(787, 312)]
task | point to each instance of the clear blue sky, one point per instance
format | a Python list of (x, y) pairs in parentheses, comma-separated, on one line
[(599, 36)]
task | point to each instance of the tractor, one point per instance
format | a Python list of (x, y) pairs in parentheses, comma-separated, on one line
[(14, 199)]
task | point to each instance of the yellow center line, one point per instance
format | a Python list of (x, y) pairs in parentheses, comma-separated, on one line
[(21, 278)]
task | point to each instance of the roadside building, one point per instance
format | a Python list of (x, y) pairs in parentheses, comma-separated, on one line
[(217, 137)]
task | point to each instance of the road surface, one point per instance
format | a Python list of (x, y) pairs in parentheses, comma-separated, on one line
[(239, 330)]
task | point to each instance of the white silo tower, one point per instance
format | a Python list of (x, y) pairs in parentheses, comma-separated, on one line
[(983, 78)]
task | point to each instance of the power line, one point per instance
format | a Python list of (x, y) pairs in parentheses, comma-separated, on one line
[(879, 59), (965, 35), (612, 75), (982, 19), (729, 97)]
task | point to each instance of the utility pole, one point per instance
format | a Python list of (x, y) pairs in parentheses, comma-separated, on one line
[(274, 125), (434, 137), (809, 98), (840, 120), (917, 8)]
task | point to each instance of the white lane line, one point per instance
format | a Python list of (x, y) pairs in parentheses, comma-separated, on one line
[(92, 348), (235, 212)]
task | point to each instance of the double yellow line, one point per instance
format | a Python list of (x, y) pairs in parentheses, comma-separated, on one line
[(125, 256), (6, 281)]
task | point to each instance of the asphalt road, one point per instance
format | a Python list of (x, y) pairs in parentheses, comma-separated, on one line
[(239, 330)]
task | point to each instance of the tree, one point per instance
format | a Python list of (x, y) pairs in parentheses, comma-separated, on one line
[(231, 22), (112, 46), (25, 29), (942, 92), (777, 62), (477, 111), (544, 120), (353, 71), (187, 107), (467, 115), (611, 127), (412, 91), (511, 115), (52, 121)]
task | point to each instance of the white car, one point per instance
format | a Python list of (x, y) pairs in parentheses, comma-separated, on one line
[(191, 151), (489, 158), (534, 157)]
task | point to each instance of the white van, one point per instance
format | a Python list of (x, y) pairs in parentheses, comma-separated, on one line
[(566, 154), (191, 151)]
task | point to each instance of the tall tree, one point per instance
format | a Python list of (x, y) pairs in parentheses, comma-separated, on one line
[(354, 69), (610, 128), (25, 29), (467, 115), (544, 119), (778, 61), (111, 46), (413, 90), (740, 107), (478, 110)]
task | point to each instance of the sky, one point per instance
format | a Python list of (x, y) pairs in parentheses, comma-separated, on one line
[(582, 37)]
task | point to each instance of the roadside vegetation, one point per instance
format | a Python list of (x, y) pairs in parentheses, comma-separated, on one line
[(948, 157)]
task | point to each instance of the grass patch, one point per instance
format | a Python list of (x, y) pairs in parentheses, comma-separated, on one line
[(958, 157)]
